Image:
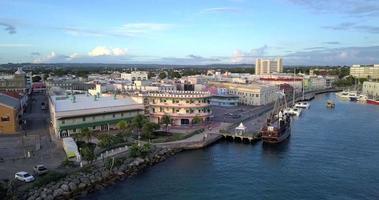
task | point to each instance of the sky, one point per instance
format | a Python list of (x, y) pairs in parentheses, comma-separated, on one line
[(194, 32)]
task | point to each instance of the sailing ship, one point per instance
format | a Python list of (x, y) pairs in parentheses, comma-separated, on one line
[(278, 125)]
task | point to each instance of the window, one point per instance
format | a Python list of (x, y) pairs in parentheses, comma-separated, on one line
[(63, 122), (84, 119), (93, 118), (5, 118), (122, 114), (74, 130), (114, 115), (94, 127)]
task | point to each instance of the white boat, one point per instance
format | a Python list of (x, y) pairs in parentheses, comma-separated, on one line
[(343, 94), (302, 104), (362, 98), (353, 96), (293, 111)]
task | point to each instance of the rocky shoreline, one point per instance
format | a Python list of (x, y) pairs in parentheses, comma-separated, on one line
[(77, 185)]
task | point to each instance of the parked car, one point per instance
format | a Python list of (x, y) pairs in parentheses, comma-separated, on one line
[(40, 169), (24, 176)]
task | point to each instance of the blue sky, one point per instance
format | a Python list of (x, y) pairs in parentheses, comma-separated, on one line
[(304, 32)]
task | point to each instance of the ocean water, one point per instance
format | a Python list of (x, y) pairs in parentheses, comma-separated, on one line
[(331, 154)]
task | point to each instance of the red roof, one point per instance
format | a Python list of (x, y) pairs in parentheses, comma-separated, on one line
[(13, 94)]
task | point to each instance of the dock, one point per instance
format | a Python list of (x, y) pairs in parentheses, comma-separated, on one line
[(242, 137)]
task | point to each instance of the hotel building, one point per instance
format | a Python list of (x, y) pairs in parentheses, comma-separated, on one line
[(365, 71), (268, 66), (181, 106)]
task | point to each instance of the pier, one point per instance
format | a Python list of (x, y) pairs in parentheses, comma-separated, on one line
[(242, 137)]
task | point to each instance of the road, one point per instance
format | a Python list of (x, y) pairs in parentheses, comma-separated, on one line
[(34, 139)]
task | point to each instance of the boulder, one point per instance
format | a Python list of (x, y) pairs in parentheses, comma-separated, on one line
[(65, 187), (57, 192), (72, 186)]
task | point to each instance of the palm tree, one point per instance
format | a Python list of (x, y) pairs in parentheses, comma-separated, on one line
[(137, 124), (123, 126), (166, 120), (86, 133)]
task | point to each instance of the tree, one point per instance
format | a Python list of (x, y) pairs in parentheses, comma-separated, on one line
[(87, 153), (36, 79), (196, 120), (138, 122), (162, 75), (86, 133), (148, 128), (123, 126), (166, 120)]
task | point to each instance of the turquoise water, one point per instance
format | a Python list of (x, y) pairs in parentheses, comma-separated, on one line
[(331, 154)]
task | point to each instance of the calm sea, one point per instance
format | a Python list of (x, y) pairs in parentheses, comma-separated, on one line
[(331, 154)]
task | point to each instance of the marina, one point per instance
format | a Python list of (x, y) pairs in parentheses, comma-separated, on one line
[(317, 154)]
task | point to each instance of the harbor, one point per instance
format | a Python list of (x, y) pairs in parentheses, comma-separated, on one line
[(318, 154)]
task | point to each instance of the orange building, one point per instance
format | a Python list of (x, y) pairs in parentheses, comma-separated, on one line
[(10, 114)]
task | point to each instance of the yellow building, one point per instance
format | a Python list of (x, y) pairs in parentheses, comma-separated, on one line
[(268, 66), (365, 71), (10, 114)]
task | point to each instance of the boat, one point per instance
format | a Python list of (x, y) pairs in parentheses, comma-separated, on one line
[(278, 125), (362, 98), (373, 101), (330, 104), (353, 96), (293, 111), (343, 95), (302, 104)]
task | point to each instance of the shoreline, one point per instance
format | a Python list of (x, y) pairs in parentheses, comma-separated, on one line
[(79, 184)]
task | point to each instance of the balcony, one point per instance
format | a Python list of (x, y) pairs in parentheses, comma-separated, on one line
[(182, 114), (181, 105)]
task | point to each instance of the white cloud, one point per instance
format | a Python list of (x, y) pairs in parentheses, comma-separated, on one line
[(239, 56), (52, 57), (105, 51)]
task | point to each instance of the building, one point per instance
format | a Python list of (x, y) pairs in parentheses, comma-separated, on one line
[(14, 82), (371, 89), (135, 76), (268, 66), (224, 100), (250, 94), (181, 106), (365, 71), (10, 114), (296, 82), (69, 114), (69, 84), (314, 83)]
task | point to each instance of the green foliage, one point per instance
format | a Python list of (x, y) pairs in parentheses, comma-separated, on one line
[(162, 75), (87, 153), (106, 141), (166, 120), (139, 151), (48, 178), (148, 129), (113, 162), (36, 79)]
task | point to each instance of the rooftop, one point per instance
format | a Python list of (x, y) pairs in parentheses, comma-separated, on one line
[(9, 101), (83, 102)]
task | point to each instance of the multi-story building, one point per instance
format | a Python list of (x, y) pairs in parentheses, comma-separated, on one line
[(250, 94), (314, 83), (14, 82), (371, 89), (181, 106), (70, 84), (263, 66), (10, 114), (295, 81), (135, 76), (69, 114), (365, 71)]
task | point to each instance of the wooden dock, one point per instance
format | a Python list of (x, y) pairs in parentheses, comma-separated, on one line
[(241, 138)]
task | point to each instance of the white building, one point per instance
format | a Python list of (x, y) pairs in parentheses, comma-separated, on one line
[(135, 76), (69, 114), (371, 89), (268, 66), (365, 71)]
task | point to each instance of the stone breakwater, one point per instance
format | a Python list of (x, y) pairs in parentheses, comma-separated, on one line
[(79, 184)]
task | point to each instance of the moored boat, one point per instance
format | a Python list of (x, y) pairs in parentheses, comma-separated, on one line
[(302, 104), (330, 104), (372, 101), (278, 126)]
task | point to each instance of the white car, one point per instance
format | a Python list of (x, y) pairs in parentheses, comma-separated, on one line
[(24, 176)]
